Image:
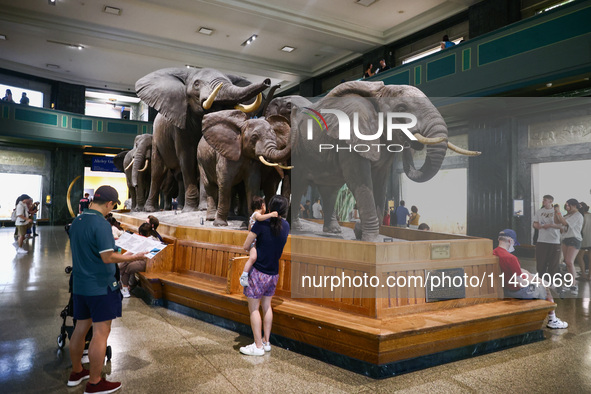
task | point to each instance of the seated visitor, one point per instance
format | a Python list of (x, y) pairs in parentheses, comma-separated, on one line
[(518, 282), (129, 268)]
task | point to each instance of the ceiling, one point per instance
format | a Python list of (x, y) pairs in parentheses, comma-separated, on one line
[(152, 34)]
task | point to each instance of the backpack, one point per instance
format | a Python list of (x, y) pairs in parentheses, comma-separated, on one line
[(13, 216)]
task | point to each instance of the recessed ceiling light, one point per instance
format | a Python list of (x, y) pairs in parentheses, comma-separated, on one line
[(2, 37), (112, 10), (365, 3), (249, 41), (52, 66), (549, 85), (205, 30), (288, 49), (73, 46)]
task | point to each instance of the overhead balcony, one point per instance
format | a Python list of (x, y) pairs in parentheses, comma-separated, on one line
[(18, 122), (523, 57)]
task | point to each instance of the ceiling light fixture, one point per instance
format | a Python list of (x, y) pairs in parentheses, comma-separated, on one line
[(205, 30), (249, 41), (288, 49), (112, 10), (73, 46), (2, 37), (365, 3)]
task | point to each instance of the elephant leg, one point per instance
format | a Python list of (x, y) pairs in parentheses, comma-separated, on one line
[(298, 187), (252, 184), (224, 201), (132, 196), (379, 177), (359, 180), (329, 197), (186, 149), (181, 190), (202, 195), (158, 172), (210, 192)]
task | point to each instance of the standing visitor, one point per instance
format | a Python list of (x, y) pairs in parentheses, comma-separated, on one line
[(22, 221), (548, 242), (572, 224), (95, 292), (401, 213), (271, 236)]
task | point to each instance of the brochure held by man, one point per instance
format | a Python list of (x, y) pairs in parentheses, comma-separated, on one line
[(136, 243)]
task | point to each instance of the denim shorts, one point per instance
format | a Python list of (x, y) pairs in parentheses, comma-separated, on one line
[(98, 308), (532, 292), (572, 241)]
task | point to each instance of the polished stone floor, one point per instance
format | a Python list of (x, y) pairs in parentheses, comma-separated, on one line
[(160, 351)]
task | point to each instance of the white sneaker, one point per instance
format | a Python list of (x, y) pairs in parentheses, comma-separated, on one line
[(267, 346), (244, 280), (557, 324), (125, 292), (252, 350), (21, 251)]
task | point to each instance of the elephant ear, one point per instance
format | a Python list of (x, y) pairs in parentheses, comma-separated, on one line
[(367, 122), (119, 159), (222, 131), (166, 91), (282, 130)]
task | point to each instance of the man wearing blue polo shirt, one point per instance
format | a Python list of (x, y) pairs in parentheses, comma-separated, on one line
[(97, 300)]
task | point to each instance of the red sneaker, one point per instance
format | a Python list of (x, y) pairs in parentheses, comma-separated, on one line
[(102, 387), (77, 377)]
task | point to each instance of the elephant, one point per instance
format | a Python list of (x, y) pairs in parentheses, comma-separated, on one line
[(271, 178), (135, 163), (182, 96), (365, 157), (234, 149)]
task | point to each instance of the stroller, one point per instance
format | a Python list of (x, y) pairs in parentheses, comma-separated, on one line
[(66, 330)]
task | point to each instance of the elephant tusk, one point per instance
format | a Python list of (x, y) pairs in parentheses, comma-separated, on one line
[(429, 141), (462, 151), (209, 102), (252, 107), (265, 162), (284, 167), (129, 166), (145, 166)]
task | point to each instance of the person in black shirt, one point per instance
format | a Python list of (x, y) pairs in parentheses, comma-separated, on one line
[(84, 203), (383, 66)]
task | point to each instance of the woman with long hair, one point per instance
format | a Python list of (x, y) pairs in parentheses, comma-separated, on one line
[(572, 224), (271, 236)]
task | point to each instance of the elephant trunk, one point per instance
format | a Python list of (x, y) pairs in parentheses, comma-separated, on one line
[(138, 163), (238, 94), (434, 155), (278, 155)]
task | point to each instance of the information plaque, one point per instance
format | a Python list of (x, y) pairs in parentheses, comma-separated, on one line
[(445, 284)]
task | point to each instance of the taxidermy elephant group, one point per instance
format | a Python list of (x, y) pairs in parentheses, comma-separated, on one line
[(235, 148), (182, 97)]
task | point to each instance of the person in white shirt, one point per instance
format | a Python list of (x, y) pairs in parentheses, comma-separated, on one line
[(317, 210), (548, 243), (22, 221), (572, 224)]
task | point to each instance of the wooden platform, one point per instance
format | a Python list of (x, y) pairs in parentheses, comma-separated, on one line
[(200, 270)]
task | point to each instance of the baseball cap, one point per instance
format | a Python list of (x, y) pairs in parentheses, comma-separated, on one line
[(106, 193), (509, 233)]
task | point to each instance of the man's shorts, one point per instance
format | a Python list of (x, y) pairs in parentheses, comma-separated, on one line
[(572, 241), (22, 230), (98, 308), (532, 292), (260, 285)]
